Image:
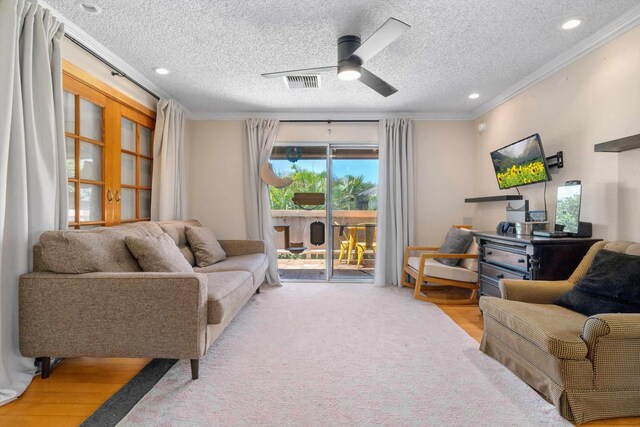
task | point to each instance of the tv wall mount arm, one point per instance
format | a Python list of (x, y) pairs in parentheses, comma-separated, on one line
[(556, 161)]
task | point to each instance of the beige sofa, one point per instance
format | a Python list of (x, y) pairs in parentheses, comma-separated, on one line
[(103, 305), (588, 367)]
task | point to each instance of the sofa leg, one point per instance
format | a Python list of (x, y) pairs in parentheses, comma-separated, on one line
[(45, 367), (195, 365)]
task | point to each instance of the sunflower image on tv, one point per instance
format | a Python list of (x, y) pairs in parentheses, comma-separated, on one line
[(520, 163), (521, 175)]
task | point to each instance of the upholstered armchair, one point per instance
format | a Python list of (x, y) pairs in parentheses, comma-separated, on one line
[(587, 366)]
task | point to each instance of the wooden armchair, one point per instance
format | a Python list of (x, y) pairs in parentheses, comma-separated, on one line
[(432, 277)]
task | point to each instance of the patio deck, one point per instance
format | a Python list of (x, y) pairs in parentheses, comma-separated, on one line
[(314, 269)]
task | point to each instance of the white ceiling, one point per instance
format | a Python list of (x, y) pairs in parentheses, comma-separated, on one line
[(216, 50)]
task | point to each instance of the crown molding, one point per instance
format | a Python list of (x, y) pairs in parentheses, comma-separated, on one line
[(616, 28), (96, 47), (329, 116)]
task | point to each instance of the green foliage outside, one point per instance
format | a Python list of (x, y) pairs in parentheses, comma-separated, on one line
[(568, 212), (349, 192)]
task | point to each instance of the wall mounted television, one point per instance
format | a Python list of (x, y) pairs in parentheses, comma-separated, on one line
[(521, 163)]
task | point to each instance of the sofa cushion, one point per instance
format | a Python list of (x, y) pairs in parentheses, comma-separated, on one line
[(204, 245), (256, 264), (158, 253), (471, 263), (175, 230), (549, 327), (457, 241), (611, 285), (434, 268), (225, 292), (94, 250)]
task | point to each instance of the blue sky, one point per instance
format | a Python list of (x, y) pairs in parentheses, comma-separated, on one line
[(365, 167)]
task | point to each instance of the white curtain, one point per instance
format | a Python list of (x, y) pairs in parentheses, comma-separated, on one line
[(168, 198), (33, 181), (260, 137), (395, 199)]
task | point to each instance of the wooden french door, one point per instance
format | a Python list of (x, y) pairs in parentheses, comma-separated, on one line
[(109, 141)]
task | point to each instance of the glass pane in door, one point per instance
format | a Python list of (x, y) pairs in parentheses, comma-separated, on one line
[(128, 200), (69, 102), (354, 203), (90, 161), (300, 241), (90, 120), (145, 172), (127, 169), (145, 142), (90, 202), (145, 204), (127, 135), (71, 157)]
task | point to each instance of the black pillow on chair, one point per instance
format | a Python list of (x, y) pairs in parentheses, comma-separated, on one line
[(611, 285), (456, 242)]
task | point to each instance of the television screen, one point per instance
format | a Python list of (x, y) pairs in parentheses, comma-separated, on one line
[(521, 163)]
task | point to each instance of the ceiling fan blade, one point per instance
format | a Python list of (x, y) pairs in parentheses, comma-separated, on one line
[(383, 37), (376, 83), (311, 71)]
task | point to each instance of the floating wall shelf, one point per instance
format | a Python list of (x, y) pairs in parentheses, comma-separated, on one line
[(618, 145), (493, 198)]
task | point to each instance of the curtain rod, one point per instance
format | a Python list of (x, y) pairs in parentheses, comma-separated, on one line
[(329, 121), (116, 71)]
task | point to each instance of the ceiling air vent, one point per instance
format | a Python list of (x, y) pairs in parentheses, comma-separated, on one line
[(302, 82)]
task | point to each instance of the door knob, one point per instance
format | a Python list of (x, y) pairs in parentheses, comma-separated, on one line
[(109, 196), (117, 196)]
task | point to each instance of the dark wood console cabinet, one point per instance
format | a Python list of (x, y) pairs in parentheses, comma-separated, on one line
[(509, 256)]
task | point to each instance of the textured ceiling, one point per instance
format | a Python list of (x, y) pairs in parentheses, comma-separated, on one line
[(216, 50)]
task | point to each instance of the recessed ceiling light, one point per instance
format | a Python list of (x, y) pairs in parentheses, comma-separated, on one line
[(571, 23), (161, 71), (89, 7), (474, 96)]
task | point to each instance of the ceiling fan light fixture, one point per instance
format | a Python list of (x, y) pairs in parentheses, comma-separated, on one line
[(349, 72)]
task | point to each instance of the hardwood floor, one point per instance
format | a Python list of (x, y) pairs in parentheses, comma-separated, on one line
[(77, 387)]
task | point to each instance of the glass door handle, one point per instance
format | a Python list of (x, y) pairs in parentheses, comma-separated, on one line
[(117, 196), (109, 196)]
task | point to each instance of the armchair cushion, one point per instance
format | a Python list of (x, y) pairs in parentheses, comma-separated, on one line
[(611, 285), (436, 269), (456, 242), (551, 328)]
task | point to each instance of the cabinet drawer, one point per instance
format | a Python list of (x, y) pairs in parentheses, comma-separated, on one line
[(494, 273), (503, 256), (489, 288)]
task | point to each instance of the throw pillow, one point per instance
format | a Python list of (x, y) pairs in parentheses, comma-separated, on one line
[(158, 254), (611, 285), (456, 242), (204, 245)]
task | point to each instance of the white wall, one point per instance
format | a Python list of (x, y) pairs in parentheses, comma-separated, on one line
[(79, 57), (444, 178), (215, 170), (593, 100), (215, 177)]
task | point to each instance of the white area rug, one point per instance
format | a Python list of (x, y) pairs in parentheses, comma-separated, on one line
[(317, 354)]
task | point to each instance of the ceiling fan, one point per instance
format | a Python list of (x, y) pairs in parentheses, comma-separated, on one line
[(352, 54)]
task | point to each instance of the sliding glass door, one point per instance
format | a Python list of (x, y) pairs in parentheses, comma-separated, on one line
[(354, 209), (299, 211), (328, 213)]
